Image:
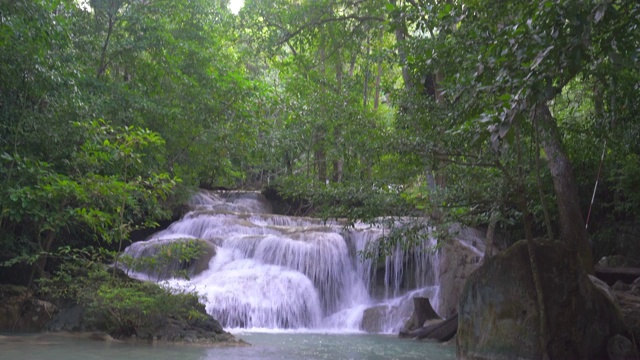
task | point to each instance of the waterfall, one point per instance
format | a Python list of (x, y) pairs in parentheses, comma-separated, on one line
[(279, 272)]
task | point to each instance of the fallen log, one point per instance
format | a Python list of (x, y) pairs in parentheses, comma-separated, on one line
[(440, 331)]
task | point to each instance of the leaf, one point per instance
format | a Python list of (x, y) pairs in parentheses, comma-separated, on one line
[(445, 11), (504, 128)]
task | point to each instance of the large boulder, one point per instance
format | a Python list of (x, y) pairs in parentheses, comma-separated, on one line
[(498, 312), (155, 259), (459, 257)]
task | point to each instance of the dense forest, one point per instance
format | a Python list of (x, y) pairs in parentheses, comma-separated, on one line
[(518, 117)]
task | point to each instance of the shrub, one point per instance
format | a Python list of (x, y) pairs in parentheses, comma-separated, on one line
[(115, 303)]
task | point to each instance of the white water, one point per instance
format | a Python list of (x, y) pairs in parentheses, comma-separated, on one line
[(275, 272)]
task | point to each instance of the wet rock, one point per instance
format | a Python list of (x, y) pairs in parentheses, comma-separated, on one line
[(374, 318)]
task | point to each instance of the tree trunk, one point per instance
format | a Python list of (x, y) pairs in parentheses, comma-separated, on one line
[(376, 99), (422, 312), (320, 157), (401, 35), (543, 202), (338, 166), (103, 53), (365, 85), (338, 155), (572, 225)]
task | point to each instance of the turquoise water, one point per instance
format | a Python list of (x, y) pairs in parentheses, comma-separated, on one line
[(268, 346)]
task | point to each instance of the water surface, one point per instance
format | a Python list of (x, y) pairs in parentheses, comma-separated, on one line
[(267, 346)]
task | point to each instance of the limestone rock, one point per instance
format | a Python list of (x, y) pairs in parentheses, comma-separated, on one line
[(498, 317), (459, 258), (373, 319)]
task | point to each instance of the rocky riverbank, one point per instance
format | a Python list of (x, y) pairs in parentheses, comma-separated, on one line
[(21, 311)]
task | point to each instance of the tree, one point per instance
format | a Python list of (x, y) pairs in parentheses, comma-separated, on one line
[(511, 62), (111, 190), (329, 134)]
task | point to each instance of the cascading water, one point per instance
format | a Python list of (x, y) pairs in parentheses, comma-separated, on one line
[(279, 272)]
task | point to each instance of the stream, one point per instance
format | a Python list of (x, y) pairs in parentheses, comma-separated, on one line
[(293, 287)]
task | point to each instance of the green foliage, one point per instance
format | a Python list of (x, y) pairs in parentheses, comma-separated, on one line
[(109, 188), (328, 64), (493, 62), (139, 307), (119, 305), (462, 143)]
